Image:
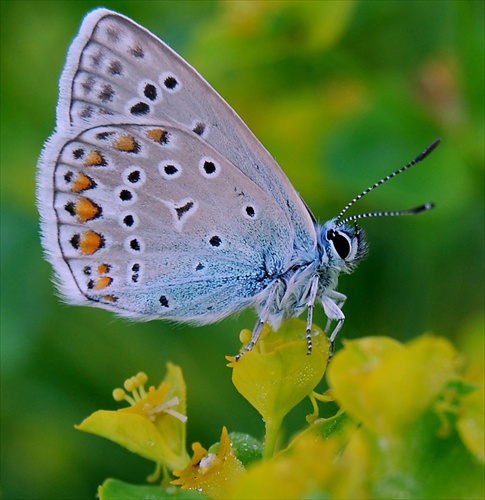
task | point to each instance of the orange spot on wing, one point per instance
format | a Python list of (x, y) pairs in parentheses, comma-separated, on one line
[(158, 135), (103, 282), (81, 183), (90, 242), (126, 143), (86, 209), (94, 159), (103, 268), (110, 298)]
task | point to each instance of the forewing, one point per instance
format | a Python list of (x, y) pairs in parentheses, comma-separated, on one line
[(117, 69)]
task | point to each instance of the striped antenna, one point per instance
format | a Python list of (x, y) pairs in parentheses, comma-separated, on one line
[(411, 211), (386, 213)]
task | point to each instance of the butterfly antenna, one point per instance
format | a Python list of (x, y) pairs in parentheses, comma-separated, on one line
[(411, 211)]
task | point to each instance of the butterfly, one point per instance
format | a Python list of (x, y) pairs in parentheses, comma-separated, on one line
[(157, 201)]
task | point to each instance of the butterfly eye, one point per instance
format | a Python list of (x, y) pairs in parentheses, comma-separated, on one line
[(340, 242)]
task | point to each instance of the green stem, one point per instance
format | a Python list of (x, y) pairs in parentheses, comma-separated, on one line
[(272, 428)]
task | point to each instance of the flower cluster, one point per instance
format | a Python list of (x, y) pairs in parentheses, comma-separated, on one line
[(399, 403)]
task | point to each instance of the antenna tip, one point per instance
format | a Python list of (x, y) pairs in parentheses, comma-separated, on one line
[(430, 148), (426, 206)]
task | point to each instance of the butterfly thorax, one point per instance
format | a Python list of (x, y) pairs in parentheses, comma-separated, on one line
[(338, 249)]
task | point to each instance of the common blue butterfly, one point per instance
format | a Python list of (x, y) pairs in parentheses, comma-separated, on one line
[(157, 201)]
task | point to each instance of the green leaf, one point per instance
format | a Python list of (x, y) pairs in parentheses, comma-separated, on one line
[(113, 489)]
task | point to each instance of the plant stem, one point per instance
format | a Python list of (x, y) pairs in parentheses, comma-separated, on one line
[(272, 429)]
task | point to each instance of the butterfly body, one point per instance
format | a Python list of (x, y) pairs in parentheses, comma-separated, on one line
[(157, 201)]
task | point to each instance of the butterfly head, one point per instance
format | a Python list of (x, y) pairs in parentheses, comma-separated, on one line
[(345, 245)]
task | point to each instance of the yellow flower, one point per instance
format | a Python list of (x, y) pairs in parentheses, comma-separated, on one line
[(213, 474), (387, 385), (154, 425), (278, 373)]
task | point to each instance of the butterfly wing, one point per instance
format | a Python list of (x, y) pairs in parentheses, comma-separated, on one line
[(156, 199), (116, 65)]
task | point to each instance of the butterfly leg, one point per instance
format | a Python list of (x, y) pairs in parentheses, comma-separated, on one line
[(263, 316), (334, 313), (310, 305), (339, 299)]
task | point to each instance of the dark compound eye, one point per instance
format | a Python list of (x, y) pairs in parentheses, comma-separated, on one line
[(341, 243)]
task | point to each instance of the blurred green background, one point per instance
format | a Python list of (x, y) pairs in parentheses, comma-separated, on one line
[(341, 93)]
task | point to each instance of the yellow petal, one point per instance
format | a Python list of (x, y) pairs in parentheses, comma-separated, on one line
[(136, 433), (212, 473), (154, 426)]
